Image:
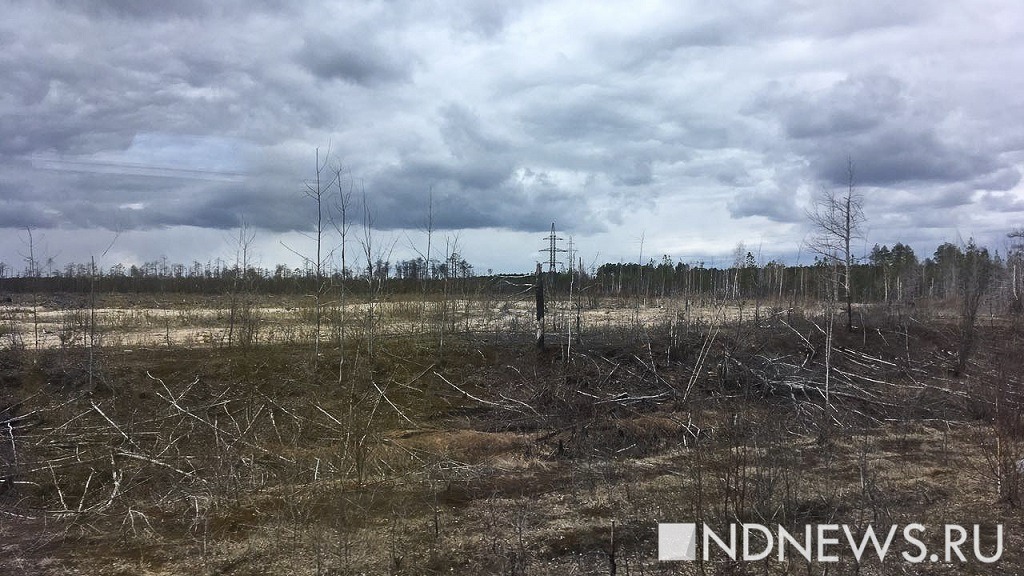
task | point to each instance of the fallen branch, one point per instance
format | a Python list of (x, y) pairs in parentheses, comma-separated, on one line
[(173, 402), (480, 400), (392, 404), (702, 357), (626, 398), (158, 463), (116, 427)]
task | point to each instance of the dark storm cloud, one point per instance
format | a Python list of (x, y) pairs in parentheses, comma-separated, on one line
[(112, 199), (266, 209), (640, 175), (351, 59), (584, 113), (464, 134), (99, 82), (620, 134), (161, 9), (141, 9), (469, 166), (19, 214), (76, 112), (894, 157), (475, 180), (714, 119), (775, 205), (267, 204), (466, 195), (999, 180), (892, 136), (852, 106)]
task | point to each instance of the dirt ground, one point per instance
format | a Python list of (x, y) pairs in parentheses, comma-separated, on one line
[(445, 444), (69, 321)]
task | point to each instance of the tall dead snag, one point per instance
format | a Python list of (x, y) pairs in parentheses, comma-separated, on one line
[(1015, 266), (837, 218), (975, 278), (242, 329), (32, 272), (341, 224), (317, 191), (540, 306), (377, 256)]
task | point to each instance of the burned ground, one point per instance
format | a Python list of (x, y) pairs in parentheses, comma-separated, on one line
[(485, 455)]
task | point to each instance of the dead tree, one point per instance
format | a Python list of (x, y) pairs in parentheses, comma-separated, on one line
[(974, 281), (1015, 266), (539, 289), (317, 190), (341, 225), (837, 218)]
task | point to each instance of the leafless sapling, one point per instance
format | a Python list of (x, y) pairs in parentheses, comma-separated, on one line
[(377, 255), (241, 317), (32, 272), (317, 190), (341, 225)]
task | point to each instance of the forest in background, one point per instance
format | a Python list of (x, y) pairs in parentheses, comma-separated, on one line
[(887, 275)]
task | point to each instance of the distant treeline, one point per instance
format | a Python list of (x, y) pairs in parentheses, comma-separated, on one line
[(893, 274), (888, 274), (220, 277)]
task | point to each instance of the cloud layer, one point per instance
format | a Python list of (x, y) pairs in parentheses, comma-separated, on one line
[(691, 126)]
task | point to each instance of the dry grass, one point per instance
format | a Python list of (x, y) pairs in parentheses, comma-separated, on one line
[(488, 457), (190, 322)]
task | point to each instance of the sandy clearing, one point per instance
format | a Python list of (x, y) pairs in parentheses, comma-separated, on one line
[(48, 328)]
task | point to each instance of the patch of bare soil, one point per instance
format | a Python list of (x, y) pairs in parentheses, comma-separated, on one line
[(72, 321)]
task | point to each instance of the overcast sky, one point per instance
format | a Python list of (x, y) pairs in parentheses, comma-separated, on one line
[(675, 128)]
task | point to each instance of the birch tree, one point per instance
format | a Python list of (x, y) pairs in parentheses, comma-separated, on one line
[(837, 218)]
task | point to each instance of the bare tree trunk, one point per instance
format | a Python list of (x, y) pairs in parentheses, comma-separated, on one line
[(317, 195), (837, 219), (33, 270), (367, 243), (539, 288), (343, 202), (92, 319), (848, 262), (568, 322)]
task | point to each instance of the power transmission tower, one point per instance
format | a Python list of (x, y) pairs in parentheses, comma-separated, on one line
[(552, 250)]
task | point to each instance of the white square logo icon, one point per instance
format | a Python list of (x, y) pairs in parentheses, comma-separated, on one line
[(677, 542)]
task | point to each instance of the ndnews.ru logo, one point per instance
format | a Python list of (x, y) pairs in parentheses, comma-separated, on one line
[(827, 543)]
